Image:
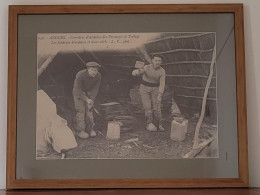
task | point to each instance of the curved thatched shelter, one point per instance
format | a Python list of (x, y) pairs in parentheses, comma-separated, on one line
[(187, 59)]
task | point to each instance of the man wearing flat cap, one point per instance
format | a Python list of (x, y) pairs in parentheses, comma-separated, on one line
[(85, 90)]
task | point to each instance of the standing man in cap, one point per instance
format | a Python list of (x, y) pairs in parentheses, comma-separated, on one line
[(85, 90), (151, 90)]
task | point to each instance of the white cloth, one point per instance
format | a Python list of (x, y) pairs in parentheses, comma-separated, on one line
[(50, 127)]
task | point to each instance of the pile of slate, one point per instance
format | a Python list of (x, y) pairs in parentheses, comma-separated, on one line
[(111, 110), (128, 122), (114, 111)]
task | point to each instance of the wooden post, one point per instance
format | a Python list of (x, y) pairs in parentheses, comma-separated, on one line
[(45, 64), (199, 148), (145, 54), (196, 136)]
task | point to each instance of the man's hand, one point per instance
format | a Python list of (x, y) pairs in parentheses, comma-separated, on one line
[(159, 98), (90, 102), (136, 72)]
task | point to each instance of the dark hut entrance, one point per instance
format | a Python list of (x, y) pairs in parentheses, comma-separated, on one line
[(57, 81)]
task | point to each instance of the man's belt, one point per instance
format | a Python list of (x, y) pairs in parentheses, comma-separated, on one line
[(147, 84)]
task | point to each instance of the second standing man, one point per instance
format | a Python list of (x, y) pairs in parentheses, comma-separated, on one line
[(151, 90)]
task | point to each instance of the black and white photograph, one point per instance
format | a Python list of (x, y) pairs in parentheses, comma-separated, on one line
[(126, 96)]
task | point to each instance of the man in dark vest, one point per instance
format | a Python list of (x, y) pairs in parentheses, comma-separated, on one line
[(85, 90)]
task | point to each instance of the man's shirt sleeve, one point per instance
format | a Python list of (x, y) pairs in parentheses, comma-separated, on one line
[(94, 90), (77, 88), (162, 81)]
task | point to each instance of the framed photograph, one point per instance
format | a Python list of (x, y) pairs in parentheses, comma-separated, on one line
[(126, 96)]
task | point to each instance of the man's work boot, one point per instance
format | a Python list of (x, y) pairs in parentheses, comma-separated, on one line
[(93, 133), (151, 127), (83, 135)]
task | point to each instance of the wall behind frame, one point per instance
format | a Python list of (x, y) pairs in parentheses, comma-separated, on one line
[(252, 29)]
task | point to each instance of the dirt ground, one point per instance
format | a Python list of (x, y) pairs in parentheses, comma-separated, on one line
[(156, 145)]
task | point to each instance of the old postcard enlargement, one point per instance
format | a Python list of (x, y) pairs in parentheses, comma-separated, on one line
[(126, 96)]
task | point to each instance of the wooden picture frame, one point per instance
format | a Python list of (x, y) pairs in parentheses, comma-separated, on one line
[(13, 180)]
